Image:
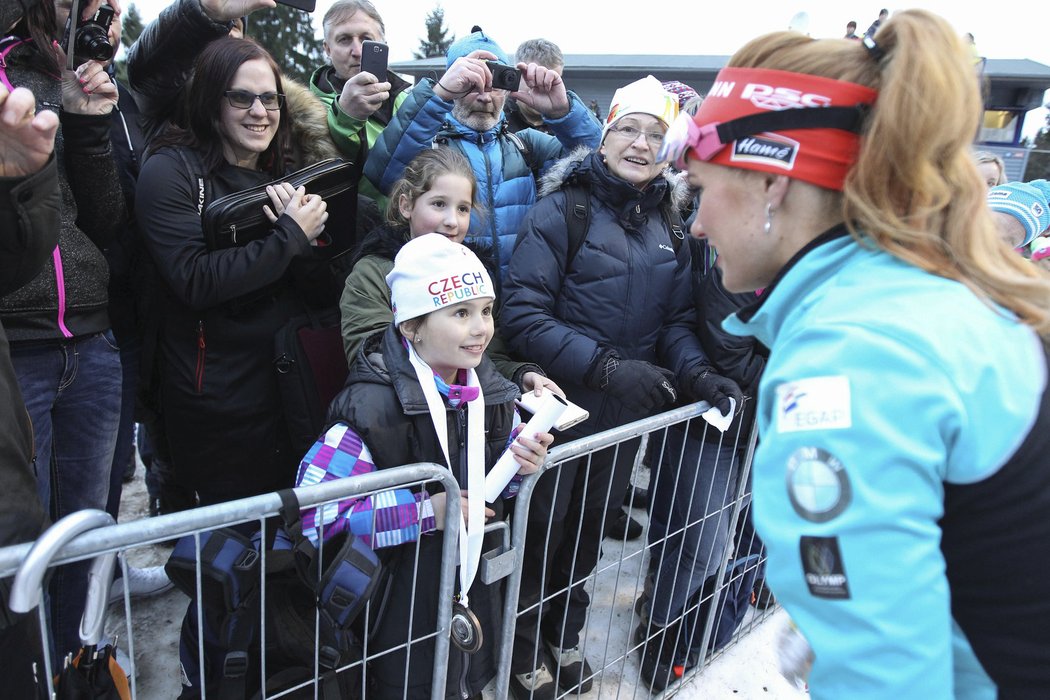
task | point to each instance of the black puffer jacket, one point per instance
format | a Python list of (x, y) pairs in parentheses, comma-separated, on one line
[(70, 299), (385, 405), (627, 289)]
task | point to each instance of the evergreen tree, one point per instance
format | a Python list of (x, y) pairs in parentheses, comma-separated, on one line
[(436, 43), (130, 32), (288, 34), (132, 26)]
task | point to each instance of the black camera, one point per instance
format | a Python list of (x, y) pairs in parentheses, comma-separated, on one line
[(504, 77), (90, 40)]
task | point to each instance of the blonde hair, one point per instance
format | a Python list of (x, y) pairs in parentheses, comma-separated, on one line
[(982, 157), (915, 191)]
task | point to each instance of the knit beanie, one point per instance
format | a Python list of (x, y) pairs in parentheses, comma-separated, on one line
[(431, 272), (1024, 201), (645, 96), (477, 39)]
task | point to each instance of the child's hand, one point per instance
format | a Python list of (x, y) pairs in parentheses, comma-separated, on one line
[(437, 502), (531, 453)]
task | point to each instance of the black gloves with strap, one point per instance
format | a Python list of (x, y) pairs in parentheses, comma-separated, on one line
[(634, 382), (705, 385)]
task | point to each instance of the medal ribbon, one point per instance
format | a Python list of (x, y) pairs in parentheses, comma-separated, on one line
[(471, 533)]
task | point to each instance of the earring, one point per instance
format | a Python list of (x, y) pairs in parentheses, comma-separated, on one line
[(419, 339), (769, 219)]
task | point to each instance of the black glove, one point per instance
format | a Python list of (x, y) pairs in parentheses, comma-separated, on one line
[(638, 383), (715, 389)]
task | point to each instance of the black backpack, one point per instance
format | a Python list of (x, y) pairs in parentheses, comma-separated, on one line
[(300, 589)]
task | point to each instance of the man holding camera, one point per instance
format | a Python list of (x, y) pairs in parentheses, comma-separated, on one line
[(464, 109)]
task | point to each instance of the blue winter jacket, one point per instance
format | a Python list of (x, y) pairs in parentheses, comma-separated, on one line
[(902, 478), (505, 164), (627, 289)]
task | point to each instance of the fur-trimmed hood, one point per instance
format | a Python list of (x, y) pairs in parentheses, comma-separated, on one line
[(560, 172), (311, 142)]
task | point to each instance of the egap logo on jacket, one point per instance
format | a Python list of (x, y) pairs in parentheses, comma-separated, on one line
[(817, 403), (771, 149)]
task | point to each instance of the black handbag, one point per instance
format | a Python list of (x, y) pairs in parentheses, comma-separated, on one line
[(238, 218)]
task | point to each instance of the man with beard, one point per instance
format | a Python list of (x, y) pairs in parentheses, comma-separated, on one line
[(465, 110)]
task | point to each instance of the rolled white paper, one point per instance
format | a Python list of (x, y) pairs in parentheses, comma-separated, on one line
[(546, 415)]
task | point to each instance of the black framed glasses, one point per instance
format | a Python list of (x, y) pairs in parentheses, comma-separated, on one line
[(654, 138), (242, 99)]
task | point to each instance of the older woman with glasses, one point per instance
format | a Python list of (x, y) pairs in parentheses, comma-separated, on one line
[(608, 316), (219, 309)]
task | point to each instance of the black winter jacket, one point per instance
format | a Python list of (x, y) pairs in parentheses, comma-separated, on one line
[(626, 290), (29, 224), (69, 299), (385, 405), (220, 312), (740, 358), (161, 59)]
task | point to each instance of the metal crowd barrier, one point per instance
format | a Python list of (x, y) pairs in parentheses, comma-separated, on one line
[(619, 579), (90, 535), (621, 585)]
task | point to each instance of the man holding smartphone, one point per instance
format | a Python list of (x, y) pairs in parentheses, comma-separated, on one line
[(360, 103)]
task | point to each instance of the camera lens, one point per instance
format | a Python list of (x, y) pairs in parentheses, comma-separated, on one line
[(93, 43)]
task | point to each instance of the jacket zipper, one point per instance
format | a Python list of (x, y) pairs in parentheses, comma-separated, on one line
[(201, 346)]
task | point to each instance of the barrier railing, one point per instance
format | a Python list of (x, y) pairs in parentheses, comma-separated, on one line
[(646, 615)]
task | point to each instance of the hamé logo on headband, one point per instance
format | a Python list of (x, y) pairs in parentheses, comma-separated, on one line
[(767, 148)]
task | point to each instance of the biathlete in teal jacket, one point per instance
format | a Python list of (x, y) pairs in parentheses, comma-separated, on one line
[(901, 482)]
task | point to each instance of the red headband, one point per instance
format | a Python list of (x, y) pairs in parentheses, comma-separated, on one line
[(794, 124)]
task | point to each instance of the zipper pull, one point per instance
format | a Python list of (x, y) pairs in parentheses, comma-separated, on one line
[(637, 208), (233, 232), (200, 334)]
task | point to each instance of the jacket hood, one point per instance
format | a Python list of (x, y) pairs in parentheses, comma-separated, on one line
[(558, 174), (311, 142)]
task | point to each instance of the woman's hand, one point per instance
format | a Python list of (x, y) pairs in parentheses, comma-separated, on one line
[(438, 502), (531, 453), (26, 138), (307, 210), (88, 89), (280, 195), (536, 383)]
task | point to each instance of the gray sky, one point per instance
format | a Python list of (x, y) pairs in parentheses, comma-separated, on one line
[(589, 26)]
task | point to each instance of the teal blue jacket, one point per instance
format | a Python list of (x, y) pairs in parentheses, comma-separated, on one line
[(902, 480)]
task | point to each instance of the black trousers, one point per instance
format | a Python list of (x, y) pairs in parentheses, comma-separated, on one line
[(571, 508)]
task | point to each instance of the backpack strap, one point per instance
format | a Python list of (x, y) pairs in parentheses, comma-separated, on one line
[(577, 218), (673, 221), (196, 172), (7, 45)]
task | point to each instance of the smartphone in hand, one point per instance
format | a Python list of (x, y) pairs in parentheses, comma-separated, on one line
[(374, 58), (569, 417), (304, 5)]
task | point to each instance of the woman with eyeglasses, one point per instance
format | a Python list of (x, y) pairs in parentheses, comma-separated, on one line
[(609, 318), (219, 402), (901, 481)]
